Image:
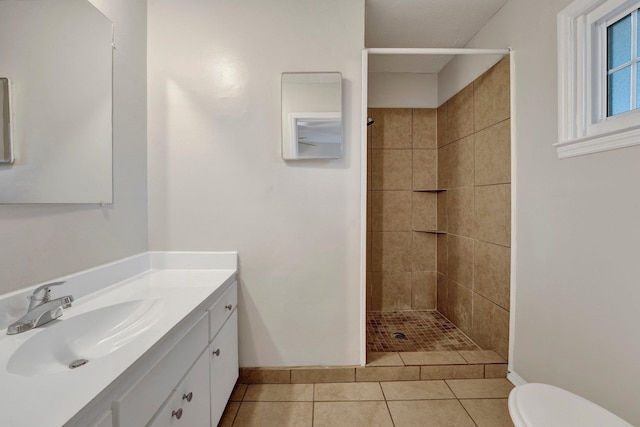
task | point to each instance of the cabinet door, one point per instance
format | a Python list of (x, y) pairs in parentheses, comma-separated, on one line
[(188, 405), (223, 353)]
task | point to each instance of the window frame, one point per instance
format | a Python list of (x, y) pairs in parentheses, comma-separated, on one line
[(583, 124)]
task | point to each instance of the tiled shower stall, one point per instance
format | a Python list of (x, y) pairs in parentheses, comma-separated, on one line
[(439, 213)]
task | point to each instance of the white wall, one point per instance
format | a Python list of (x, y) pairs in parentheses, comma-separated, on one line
[(41, 242), (217, 181), (402, 90), (577, 231)]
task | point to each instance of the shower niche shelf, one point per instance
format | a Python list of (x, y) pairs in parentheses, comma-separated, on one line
[(431, 231), (427, 190)]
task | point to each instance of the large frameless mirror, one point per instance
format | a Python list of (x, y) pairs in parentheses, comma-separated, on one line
[(311, 116), (57, 56)]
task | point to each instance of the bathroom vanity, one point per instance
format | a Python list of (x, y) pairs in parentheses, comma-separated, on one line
[(149, 341)]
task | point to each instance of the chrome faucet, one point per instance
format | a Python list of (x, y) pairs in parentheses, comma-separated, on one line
[(42, 309)]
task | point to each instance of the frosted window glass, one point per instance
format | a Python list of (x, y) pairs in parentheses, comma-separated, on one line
[(619, 92), (637, 85), (619, 42)]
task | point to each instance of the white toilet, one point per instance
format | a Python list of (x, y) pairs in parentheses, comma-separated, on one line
[(543, 405)]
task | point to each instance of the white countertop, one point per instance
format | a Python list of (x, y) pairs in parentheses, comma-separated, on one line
[(53, 398)]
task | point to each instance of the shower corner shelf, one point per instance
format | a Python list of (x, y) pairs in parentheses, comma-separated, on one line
[(430, 231), (428, 190)]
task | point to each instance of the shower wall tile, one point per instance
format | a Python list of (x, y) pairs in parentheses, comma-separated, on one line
[(395, 290), (492, 273), (442, 294), (391, 170), (492, 93), (493, 214), (443, 135), (424, 128), (425, 169), (490, 326), (460, 260), (391, 210), (424, 210), (460, 114), (391, 251), (442, 211), (460, 211), (423, 251), (459, 301), (442, 241), (392, 127), (456, 163), (423, 290), (493, 154)]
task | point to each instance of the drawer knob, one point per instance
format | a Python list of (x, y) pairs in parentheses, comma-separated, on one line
[(188, 396), (177, 414), (217, 352), (228, 307)]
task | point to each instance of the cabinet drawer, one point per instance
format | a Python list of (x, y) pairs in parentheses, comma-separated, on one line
[(223, 352), (188, 405), (222, 308), (142, 401)]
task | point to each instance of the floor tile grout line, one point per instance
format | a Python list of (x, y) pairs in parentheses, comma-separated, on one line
[(465, 410)]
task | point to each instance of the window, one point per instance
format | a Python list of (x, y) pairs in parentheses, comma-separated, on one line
[(599, 76)]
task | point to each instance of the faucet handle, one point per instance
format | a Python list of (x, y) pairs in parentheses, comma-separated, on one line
[(41, 294)]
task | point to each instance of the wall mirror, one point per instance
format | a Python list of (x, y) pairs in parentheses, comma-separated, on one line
[(57, 56), (311, 116), (6, 148)]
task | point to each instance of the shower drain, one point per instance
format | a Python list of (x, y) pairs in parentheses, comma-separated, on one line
[(78, 363), (399, 336)]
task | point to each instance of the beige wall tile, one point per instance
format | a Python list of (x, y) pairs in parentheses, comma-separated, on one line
[(388, 373), (488, 412), (281, 414), (264, 376), (391, 210), (392, 127), (424, 128), (443, 137), (460, 260), (279, 393), (352, 414), (391, 170), (396, 290), (442, 210), (490, 326), (459, 301), (416, 390), (456, 163), (423, 290), (429, 413), (391, 251), (432, 358), (480, 388), (477, 357), (493, 154), (442, 295), (424, 211), (492, 272), (322, 375), (460, 211), (442, 261), (375, 358), (425, 169), (423, 251), (374, 279), (332, 392), (493, 214), (446, 372), (460, 114), (496, 371), (492, 102)]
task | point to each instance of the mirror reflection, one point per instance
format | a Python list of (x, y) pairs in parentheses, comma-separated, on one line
[(58, 57), (6, 151), (312, 116)]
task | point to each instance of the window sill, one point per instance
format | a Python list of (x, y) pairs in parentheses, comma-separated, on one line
[(598, 143)]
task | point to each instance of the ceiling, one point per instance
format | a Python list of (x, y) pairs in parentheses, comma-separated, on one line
[(422, 23)]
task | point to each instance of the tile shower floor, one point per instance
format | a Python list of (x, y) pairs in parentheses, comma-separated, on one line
[(425, 330), (442, 403)]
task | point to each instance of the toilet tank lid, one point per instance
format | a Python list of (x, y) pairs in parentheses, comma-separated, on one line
[(544, 405)]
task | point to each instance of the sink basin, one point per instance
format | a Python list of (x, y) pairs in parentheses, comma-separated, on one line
[(88, 336)]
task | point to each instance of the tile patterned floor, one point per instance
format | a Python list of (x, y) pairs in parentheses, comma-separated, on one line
[(424, 330), (439, 403)]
